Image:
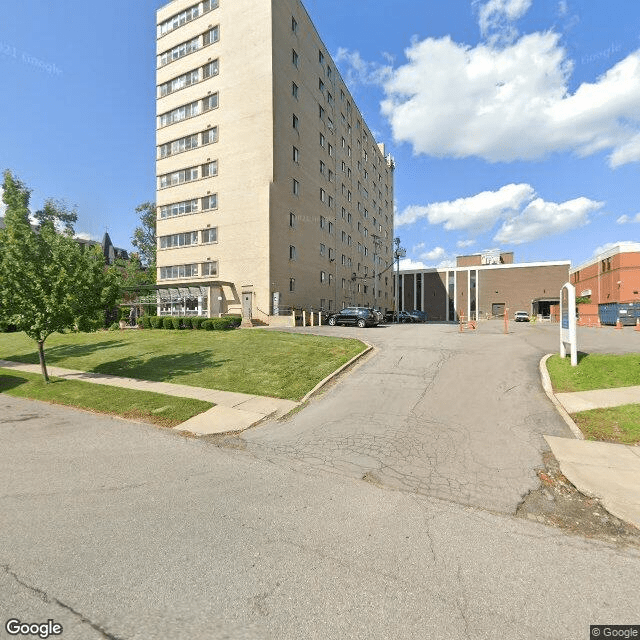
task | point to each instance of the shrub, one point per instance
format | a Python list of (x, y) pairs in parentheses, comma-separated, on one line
[(207, 325), (235, 321), (146, 322), (156, 322), (196, 322), (187, 322), (177, 322), (167, 323), (114, 327)]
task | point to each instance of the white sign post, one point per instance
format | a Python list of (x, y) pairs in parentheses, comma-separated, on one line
[(568, 323)]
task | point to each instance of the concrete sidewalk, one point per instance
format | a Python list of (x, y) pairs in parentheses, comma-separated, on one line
[(233, 411), (608, 471)]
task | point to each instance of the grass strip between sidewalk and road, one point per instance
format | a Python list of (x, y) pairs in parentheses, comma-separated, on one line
[(594, 371), (613, 424), (146, 406), (257, 361)]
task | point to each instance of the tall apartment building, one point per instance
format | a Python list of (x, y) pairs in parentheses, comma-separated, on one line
[(272, 192)]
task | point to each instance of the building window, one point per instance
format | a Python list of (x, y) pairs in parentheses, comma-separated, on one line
[(178, 146), (323, 167), (294, 25), (295, 59), (323, 277), (323, 249), (210, 202), (322, 140), (292, 284), (296, 187), (294, 121), (178, 271), (185, 80), (179, 209), (210, 70), (210, 102), (320, 112), (320, 57), (211, 36), (210, 136), (210, 169), (180, 113), (210, 268), (292, 252), (296, 155), (330, 149), (323, 195), (330, 227), (185, 16), (294, 90), (178, 177), (320, 86), (179, 51), (210, 235), (330, 202), (292, 220), (323, 222), (178, 240)]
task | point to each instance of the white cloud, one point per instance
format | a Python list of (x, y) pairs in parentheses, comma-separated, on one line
[(420, 245), (496, 17), (461, 244), (540, 219), (625, 219), (506, 103), (479, 212), (523, 216), (407, 264), (610, 245), (563, 7), (435, 254), (359, 71)]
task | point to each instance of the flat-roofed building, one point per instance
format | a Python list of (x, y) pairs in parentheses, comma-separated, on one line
[(483, 286), (272, 192)]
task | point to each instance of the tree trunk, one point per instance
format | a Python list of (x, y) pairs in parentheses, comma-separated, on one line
[(43, 364)]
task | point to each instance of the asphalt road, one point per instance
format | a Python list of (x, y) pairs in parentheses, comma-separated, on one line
[(458, 416), (124, 531)]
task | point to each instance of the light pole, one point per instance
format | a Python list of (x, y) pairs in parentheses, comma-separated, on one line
[(400, 252)]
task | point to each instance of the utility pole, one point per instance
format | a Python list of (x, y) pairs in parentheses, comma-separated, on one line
[(400, 252)]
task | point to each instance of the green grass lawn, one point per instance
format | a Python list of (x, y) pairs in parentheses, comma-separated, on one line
[(594, 371), (166, 411), (615, 424), (262, 362)]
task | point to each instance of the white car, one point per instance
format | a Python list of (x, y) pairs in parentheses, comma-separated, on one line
[(521, 316)]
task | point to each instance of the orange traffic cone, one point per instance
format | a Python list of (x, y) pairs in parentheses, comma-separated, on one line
[(618, 324), (637, 324)]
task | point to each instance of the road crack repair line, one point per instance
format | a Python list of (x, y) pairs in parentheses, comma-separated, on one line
[(48, 599)]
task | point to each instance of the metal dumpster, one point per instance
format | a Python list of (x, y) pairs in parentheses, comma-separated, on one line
[(626, 312)]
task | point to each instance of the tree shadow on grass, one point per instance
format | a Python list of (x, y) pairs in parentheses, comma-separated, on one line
[(54, 354), (163, 368), (11, 382)]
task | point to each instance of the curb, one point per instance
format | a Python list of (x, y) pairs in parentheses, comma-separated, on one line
[(548, 389), (337, 372)]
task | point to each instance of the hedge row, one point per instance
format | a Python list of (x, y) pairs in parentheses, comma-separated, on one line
[(190, 322)]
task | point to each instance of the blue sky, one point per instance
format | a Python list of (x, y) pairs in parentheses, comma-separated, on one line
[(515, 124)]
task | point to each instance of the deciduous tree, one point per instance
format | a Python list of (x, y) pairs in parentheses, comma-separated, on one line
[(47, 282), (144, 236)]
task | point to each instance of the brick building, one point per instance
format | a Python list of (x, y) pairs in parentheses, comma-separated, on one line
[(483, 285)]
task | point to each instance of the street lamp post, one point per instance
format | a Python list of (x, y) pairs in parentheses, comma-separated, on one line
[(400, 252)]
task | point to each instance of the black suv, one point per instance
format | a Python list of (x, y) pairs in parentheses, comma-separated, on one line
[(359, 316)]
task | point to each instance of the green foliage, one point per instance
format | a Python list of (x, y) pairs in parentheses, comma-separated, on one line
[(167, 323), (57, 213), (146, 321), (186, 322), (156, 322), (47, 283), (583, 300), (144, 236), (196, 322), (177, 322), (235, 320), (220, 324), (114, 327)]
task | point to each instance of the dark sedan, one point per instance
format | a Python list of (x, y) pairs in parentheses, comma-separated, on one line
[(358, 316)]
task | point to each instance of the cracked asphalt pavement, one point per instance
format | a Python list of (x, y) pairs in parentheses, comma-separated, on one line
[(456, 416), (125, 531)]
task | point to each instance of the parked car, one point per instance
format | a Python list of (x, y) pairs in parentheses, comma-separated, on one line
[(407, 316), (358, 316), (421, 315), (521, 316)]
